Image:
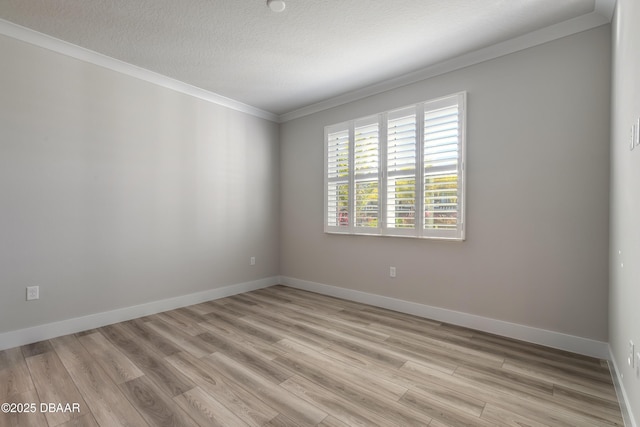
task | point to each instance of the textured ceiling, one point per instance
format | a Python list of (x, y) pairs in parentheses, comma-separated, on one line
[(280, 62)]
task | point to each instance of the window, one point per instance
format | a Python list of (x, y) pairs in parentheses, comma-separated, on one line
[(398, 173)]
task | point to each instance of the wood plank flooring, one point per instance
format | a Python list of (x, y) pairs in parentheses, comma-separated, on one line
[(285, 357)]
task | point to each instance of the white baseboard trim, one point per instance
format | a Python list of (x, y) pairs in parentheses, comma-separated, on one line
[(70, 326), (544, 337), (625, 406)]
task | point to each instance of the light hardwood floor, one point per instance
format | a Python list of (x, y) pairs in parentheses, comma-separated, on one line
[(285, 357)]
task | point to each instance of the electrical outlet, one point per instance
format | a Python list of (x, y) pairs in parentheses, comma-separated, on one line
[(252, 260), (33, 292), (630, 359), (392, 272)]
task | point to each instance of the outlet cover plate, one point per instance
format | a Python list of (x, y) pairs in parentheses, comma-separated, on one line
[(33, 293)]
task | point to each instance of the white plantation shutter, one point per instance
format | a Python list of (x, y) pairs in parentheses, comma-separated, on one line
[(366, 171), (337, 177), (399, 173), (401, 169), (442, 168)]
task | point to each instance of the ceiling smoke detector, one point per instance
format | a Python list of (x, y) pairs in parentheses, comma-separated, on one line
[(276, 5)]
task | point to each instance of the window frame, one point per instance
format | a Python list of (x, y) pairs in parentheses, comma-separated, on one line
[(419, 229)]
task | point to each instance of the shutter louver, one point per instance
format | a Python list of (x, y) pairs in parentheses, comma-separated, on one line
[(366, 165), (338, 179), (441, 164), (401, 169)]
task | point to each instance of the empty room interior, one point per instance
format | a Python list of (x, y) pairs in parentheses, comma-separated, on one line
[(320, 212)]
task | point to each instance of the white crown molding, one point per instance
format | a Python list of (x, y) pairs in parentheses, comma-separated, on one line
[(602, 15), (36, 38), (606, 8), (70, 326), (625, 404), (572, 343)]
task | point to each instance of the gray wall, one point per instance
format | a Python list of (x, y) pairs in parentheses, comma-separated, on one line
[(116, 192), (537, 195), (624, 305)]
